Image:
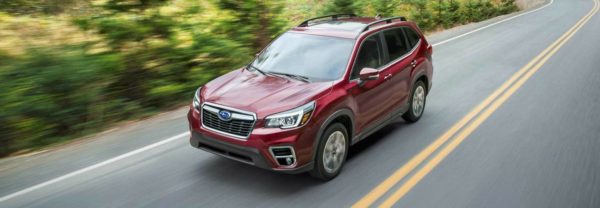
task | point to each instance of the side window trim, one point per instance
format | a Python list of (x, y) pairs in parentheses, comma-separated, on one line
[(384, 53), (385, 45), (410, 50), (380, 51), (384, 50), (406, 29), (408, 45)]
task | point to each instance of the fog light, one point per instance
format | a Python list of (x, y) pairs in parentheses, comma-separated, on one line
[(283, 155)]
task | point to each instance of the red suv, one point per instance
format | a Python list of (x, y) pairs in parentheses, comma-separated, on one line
[(313, 92)]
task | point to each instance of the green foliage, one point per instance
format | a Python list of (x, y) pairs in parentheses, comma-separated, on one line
[(254, 22), (51, 93), (129, 5), (454, 16), (422, 15), (385, 8), (507, 6), (478, 10), (487, 10), (19, 6), (142, 64), (341, 7), (441, 13), (145, 38), (35, 6)]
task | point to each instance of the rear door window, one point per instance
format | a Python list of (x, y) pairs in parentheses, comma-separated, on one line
[(396, 43), (413, 37)]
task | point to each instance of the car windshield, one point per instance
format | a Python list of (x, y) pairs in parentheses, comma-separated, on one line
[(318, 58)]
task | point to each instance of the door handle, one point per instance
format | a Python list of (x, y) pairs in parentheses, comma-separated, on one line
[(387, 76), (414, 63)]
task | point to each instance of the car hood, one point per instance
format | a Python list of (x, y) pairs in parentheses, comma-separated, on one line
[(262, 94)]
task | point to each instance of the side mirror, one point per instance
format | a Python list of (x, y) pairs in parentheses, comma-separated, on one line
[(368, 74)]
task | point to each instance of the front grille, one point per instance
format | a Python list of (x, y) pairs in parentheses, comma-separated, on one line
[(240, 128)]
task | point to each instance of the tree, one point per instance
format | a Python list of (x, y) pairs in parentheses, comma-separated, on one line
[(472, 11), (454, 12), (507, 6), (36, 6), (146, 39), (421, 14), (254, 22), (51, 93), (341, 7), (487, 9), (385, 8), (441, 13)]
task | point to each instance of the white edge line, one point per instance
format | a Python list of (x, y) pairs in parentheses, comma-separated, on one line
[(173, 138), (490, 25), (89, 168)]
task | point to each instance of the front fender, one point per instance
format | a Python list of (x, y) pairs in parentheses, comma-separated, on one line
[(330, 119)]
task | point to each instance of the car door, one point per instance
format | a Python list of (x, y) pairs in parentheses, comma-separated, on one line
[(398, 66), (372, 97)]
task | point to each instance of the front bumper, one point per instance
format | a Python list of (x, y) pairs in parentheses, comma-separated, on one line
[(244, 154)]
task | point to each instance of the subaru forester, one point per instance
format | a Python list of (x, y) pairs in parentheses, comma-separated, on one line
[(313, 92)]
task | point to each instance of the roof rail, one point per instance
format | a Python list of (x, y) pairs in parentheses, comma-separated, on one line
[(387, 20), (333, 17)]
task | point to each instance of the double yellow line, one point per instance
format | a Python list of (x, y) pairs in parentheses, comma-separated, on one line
[(464, 127)]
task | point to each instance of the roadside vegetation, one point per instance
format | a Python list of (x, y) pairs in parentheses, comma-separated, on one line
[(69, 68)]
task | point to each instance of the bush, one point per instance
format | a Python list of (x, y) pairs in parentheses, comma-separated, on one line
[(385, 8), (454, 16), (507, 6), (37, 6), (52, 93), (341, 7), (422, 15)]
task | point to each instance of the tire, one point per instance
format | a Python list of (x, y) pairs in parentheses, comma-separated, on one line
[(331, 136), (418, 98)]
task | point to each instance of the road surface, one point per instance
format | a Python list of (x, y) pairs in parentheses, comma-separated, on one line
[(535, 144)]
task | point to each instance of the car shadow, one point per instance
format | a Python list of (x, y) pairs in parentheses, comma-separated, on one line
[(232, 174), (376, 137), (240, 176)]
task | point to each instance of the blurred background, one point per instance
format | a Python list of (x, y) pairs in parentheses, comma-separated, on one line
[(69, 68)]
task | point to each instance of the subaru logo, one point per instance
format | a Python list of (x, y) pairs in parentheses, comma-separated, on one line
[(224, 115)]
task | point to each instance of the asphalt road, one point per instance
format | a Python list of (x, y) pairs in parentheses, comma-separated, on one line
[(540, 148)]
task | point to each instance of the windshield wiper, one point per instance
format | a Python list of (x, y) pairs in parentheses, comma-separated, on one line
[(294, 76), (256, 69)]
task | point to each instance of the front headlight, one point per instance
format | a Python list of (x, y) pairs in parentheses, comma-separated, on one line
[(196, 101), (292, 118)]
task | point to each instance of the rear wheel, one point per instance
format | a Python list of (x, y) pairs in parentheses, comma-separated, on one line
[(416, 103), (331, 152)]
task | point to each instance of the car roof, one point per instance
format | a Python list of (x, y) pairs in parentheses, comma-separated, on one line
[(350, 27)]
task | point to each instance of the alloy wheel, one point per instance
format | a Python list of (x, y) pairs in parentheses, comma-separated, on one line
[(334, 152)]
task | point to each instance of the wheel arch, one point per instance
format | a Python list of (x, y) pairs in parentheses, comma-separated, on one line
[(421, 76), (343, 116)]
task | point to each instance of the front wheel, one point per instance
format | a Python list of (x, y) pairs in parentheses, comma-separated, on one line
[(417, 103), (331, 152)]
